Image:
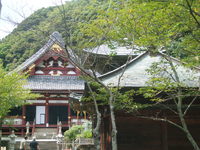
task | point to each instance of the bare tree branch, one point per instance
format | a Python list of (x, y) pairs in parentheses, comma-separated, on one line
[(162, 119), (189, 105), (10, 20), (192, 13)]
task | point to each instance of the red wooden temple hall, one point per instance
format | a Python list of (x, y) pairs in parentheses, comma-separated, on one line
[(54, 77)]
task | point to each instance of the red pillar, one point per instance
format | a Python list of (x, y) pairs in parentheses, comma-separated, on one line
[(47, 113), (23, 115), (46, 110)]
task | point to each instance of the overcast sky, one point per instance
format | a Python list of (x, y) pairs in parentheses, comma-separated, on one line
[(14, 11)]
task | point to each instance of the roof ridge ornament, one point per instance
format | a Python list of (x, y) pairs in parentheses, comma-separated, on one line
[(57, 38)]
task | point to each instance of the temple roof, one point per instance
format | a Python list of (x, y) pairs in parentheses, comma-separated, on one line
[(38, 82), (50, 81), (118, 51), (134, 74), (55, 38)]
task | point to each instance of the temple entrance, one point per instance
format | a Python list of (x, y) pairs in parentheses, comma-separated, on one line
[(30, 113), (40, 114), (58, 113)]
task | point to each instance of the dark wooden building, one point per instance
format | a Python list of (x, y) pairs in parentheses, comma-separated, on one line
[(136, 133)]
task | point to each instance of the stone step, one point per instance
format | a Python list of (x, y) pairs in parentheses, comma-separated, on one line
[(47, 144), (45, 130), (45, 133)]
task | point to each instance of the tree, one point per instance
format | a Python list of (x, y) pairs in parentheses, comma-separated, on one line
[(77, 131), (12, 93), (96, 130), (172, 88), (110, 101), (151, 24), (155, 25), (167, 79)]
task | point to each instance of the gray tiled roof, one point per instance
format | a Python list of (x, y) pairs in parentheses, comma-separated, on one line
[(119, 50), (43, 82), (135, 74), (55, 37)]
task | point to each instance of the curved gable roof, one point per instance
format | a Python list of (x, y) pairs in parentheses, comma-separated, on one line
[(134, 73), (55, 38)]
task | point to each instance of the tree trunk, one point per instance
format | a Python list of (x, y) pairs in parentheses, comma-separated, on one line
[(96, 133), (179, 108), (1, 123), (114, 128), (184, 125), (97, 128)]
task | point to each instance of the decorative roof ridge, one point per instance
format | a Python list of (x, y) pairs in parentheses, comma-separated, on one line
[(55, 37)]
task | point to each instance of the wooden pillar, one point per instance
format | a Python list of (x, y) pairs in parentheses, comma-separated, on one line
[(102, 135), (47, 113), (110, 135), (69, 115), (77, 117), (164, 140), (23, 115), (22, 132)]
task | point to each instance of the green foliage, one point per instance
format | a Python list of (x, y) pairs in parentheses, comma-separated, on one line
[(77, 131), (125, 101), (172, 25), (84, 24), (34, 31), (12, 93), (164, 83), (85, 134), (122, 99), (99, 92), (73, 132)]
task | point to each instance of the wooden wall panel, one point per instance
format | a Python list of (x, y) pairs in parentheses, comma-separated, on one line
[(143, 134), (138, 135)]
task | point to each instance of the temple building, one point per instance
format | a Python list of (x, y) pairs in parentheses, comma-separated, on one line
[(139, 129), (54, 77)]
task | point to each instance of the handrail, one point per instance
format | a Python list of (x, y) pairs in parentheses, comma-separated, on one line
[(84, 141)]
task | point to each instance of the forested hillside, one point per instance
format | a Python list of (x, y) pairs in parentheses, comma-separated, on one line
[(168, 25), (34, 31)]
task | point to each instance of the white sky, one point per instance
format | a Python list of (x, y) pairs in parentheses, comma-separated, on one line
[(18, 10)]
